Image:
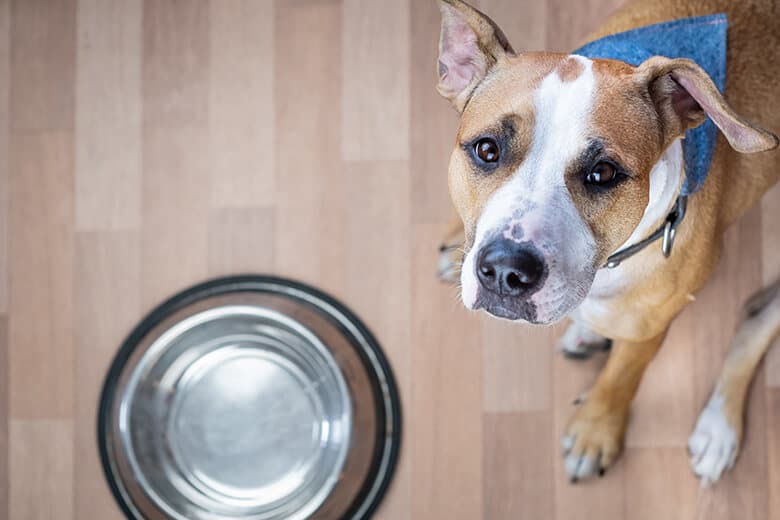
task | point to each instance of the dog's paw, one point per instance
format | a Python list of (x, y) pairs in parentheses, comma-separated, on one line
[(593, 439), (579, 342), (714, 444), (450, 258)]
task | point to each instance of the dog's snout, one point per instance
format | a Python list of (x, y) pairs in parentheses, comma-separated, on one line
[(508, 268)]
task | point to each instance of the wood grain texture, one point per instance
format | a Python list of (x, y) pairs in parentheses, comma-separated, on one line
[(671, 494), (377, 240), (375, 84), (525, 20), (41, 465), (108, 114), (516, 366), (175, 64), (4, 441), (444, 417), (570, 23), (517, 481), (241, 240), (596, 498), (738, 276), (148, 145), (108, 289), (770, 263), (241, 103), (666, 406), (309, 203), (433, 122), (773, 450), (5, 112), (43, 35), (41, 265)]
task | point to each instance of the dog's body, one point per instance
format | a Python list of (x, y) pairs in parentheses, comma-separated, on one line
[(549, 110)]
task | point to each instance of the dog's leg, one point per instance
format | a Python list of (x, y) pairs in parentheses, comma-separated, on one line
[(451, 252), (714, 444), (579, 342), (594, 436)]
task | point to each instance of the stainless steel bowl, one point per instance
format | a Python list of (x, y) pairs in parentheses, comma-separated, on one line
[(250, 398)]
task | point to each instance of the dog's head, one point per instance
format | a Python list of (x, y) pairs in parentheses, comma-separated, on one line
[(551, 168)]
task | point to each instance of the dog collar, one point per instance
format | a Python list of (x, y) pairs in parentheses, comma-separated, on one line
[(667, 232), (703, 40)]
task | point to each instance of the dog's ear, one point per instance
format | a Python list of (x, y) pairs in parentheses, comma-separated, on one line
[(684, 93), (470, 44)]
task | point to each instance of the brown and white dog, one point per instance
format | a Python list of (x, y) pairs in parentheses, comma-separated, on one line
[(562, 160)]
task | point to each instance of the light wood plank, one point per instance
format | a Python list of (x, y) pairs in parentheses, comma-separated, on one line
[(4, 441), (241, 103), (378, 285), (108, 291), (719, 306), (518, 476), (241, 241), (375, 86), (175, 199), (175, 64), (773, 451), (41, 267), (517, 366), (176, 172), (524, 22), (108, 115), (445, 414), (573, 21), (5, 112), (309, 177), (433, 122), (770, 266), (594, 498), (42, 464), (666, 405), (43, 58), (658, 484)]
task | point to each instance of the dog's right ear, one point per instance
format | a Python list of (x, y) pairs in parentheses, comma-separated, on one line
[(470, 44)]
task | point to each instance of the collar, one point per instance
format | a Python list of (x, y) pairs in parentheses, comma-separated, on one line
[(667, 231), (703, 40)]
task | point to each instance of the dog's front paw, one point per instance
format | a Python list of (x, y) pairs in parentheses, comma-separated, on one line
[(450, 258), (579, 342), (714, 444), (593, 439)]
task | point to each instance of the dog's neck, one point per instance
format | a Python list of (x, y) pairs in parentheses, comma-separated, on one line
[(666, 179), (665, 183)]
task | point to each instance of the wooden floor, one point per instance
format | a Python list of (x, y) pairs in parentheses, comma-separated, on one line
[(145, 146)]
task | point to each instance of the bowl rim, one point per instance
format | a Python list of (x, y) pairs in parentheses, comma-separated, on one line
[(385, 393)]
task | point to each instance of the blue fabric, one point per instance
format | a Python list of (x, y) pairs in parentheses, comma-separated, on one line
[(701, 39)]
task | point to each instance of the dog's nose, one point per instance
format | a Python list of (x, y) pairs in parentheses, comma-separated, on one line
[(507, 268)]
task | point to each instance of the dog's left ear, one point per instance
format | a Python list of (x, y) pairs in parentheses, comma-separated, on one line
[(469, 46), (683, 93)]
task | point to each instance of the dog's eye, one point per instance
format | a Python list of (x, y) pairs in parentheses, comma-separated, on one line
[(487, 150), (602, 173)]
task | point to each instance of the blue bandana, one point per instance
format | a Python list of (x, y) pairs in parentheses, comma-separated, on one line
[(701, 39)]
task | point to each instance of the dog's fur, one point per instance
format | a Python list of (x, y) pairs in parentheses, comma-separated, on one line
[(640, 113)]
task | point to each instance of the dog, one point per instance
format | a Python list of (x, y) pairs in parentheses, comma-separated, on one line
[(567, 177)]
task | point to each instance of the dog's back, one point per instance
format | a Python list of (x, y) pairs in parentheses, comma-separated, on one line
[(752, 86)]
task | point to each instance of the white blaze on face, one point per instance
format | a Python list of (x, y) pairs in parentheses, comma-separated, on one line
[(536, 197)]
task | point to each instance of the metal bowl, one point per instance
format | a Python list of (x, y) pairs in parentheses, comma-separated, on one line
[(249, 397)]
